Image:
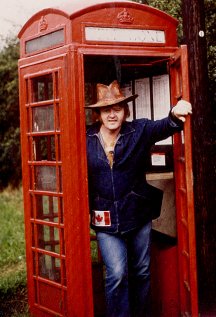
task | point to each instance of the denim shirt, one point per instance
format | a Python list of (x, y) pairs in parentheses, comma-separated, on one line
[(122, 190)]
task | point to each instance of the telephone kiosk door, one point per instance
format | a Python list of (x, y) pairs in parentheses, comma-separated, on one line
[(174, 284), (57, 272), (159, 84)]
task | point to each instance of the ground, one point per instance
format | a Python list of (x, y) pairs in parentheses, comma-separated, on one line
[(14, 304)]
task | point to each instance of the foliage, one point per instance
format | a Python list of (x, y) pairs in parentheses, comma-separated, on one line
[(210, 17), (168, 7), (10, 163), (165, 5), (12, 253)]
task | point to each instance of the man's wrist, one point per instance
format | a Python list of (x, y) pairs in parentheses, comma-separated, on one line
[(173, 117)]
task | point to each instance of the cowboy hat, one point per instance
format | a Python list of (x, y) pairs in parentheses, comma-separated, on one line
[(110, 95)]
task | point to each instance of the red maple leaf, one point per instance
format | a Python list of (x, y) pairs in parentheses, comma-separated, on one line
[(99, 218)]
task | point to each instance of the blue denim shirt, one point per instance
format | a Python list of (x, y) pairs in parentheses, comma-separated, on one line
[(123, 189)]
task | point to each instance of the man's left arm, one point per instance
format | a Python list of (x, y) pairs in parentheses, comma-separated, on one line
[(161, 129)]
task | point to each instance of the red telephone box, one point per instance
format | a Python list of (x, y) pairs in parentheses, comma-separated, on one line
[(64, 53)]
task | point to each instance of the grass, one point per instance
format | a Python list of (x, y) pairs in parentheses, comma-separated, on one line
[(13, 298), (13, 292)]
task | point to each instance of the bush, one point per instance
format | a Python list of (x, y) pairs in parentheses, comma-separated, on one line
[(10, 162)]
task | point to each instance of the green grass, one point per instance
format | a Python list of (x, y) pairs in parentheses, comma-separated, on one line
[(13, 293), (12, 254)]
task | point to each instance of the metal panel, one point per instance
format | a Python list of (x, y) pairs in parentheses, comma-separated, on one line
[(184, 191), (58, 254)]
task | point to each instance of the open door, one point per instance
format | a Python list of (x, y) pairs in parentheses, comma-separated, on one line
[(184, 191), (174, 281)]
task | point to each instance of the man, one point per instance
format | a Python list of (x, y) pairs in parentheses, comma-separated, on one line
[(122, 203)]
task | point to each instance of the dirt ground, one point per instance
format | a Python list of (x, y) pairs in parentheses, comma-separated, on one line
[(14, 304)]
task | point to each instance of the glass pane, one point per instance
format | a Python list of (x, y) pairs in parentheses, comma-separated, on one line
[(31, 206), (48, 238), (42, 88), (33, 236), (26, 91), (49, 267), (30, 177), (28, 119), (57, 118), (59, 148), (47, 208), (61, 207), (64, 273), (45, 178), (35, 290), (60, 179), (44, 148), (35, 263), (43, 118), (56, 86), (45, 41), (62, 242)]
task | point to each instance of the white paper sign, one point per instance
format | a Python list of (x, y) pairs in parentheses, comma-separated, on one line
[(158, 159), (105, 34)]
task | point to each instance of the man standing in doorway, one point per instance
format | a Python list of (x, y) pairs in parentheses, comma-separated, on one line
[(122, 203)]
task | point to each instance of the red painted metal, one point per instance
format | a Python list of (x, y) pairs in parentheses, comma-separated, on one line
[(164, 281), (184, 192), (53, 51)]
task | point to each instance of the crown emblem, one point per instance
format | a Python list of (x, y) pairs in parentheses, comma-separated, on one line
[(43, 24), (125, 17)]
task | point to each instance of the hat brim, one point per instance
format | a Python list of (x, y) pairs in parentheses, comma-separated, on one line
[(108, 102)]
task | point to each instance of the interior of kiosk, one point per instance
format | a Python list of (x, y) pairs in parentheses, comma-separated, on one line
[(149, 78)]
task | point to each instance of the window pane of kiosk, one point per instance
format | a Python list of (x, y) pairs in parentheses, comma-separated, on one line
[(26, 91), (42, 88), (60, 179), (57, 118), (44, 148), (43, 118), (28, 119), (61, 207), (31, 183), (31, 206), (47, 208), (48, 238), (45, 178), (45, 41), (58, 148), (49, 267)]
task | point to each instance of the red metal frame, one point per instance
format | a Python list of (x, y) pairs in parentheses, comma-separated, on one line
[(184, 192), (74, 230)]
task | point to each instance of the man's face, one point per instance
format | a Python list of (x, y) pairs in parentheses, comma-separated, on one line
[(112, 116)]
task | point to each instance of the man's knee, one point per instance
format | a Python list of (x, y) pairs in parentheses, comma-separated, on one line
[(117, 274)]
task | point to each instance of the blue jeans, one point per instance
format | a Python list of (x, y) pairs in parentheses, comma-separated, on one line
[(127, 261)]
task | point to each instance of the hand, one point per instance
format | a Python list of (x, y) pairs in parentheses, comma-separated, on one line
[(182, 109)]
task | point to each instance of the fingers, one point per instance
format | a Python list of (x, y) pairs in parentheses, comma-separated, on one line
[(182, 118), (182, 109)]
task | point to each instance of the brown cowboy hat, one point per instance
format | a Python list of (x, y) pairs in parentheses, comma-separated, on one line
[(110, 95)]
